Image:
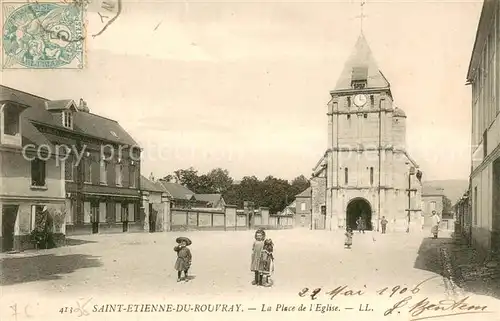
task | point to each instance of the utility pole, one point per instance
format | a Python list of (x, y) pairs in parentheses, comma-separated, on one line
[(410, 173)]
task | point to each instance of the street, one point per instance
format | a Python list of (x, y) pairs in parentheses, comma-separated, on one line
[(364, 282)]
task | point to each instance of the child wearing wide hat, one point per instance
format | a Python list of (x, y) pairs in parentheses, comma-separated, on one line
[(257, 247), (184, 257)]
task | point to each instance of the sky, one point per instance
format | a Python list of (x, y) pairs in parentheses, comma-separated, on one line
[(243, 85)]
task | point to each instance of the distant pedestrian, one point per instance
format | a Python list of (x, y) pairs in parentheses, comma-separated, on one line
[(267, 262), (360, 223), (384, 222), (348, 238), (435, 224), (184, 258), (257, 248)]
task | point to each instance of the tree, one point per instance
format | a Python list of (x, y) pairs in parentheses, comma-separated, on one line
[(204, 185), (187, 177), (220, 180), (447, 206), (167, 178), (299, 184)]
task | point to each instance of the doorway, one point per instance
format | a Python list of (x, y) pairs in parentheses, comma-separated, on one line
[(125, 216), (359, 207), (152, 219), (9, 215), (94, 216)]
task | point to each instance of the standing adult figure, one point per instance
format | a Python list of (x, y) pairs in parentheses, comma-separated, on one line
[(435, 224)]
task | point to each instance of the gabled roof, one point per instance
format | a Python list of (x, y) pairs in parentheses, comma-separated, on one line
[(150, 186), (60, 104), (213, 199), (177, 191), (84, 123), (305, 193), (361, 62)]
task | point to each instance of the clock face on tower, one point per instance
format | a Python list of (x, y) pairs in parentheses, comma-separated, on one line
[(360, 100)]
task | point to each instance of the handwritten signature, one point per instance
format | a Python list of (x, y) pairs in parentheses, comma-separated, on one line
[(453, 307)]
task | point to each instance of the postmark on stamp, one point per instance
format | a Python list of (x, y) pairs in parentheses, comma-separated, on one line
[(43, 35)]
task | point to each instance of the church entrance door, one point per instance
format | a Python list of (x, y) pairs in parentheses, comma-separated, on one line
[(359, 207)]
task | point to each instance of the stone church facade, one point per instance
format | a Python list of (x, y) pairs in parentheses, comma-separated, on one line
[(366, 170)]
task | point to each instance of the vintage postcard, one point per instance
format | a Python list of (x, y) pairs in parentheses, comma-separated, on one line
[(243, 160)]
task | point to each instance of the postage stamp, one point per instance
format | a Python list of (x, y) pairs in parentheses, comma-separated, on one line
[(43, 35)]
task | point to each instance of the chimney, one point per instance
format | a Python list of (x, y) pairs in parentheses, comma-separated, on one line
[(151, 177), (83, 106)]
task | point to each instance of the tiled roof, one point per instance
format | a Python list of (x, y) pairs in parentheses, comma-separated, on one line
[(83, 123), (305, 193), (361, 61), (147, 185), (214, 199), (177, 191)]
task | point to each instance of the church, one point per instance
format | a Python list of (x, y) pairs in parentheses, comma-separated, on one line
[(366, 170)]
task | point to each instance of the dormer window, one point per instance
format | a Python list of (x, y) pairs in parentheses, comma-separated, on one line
[(359, 77), (11, 121), (67, 119)]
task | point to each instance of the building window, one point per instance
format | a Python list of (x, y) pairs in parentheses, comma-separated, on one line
[(346, 175), (348, 101), (433, 206), (303, 206), (365, 115), (371, 175), (69, 169), (132, 176), (118, 172), (104, 171), (37, 172), (475, 206), (67, 119), (348, 116), (372, 100), (87, 170), (11, 121), (37, 217)]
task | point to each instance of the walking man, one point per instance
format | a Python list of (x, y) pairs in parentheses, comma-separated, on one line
[(384, 222)]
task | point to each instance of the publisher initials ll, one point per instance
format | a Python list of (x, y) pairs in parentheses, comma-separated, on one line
[(365, 308)]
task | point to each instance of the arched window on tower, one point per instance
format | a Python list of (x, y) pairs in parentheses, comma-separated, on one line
[(371, 175), (346, 175)]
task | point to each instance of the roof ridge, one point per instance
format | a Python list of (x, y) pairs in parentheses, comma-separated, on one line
[(49, 100), (27, 93)]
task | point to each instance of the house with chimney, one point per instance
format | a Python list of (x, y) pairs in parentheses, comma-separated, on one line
[(31, 178), (101, 164)]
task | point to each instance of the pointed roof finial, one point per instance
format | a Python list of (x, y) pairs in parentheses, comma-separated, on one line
[(362, 15)]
